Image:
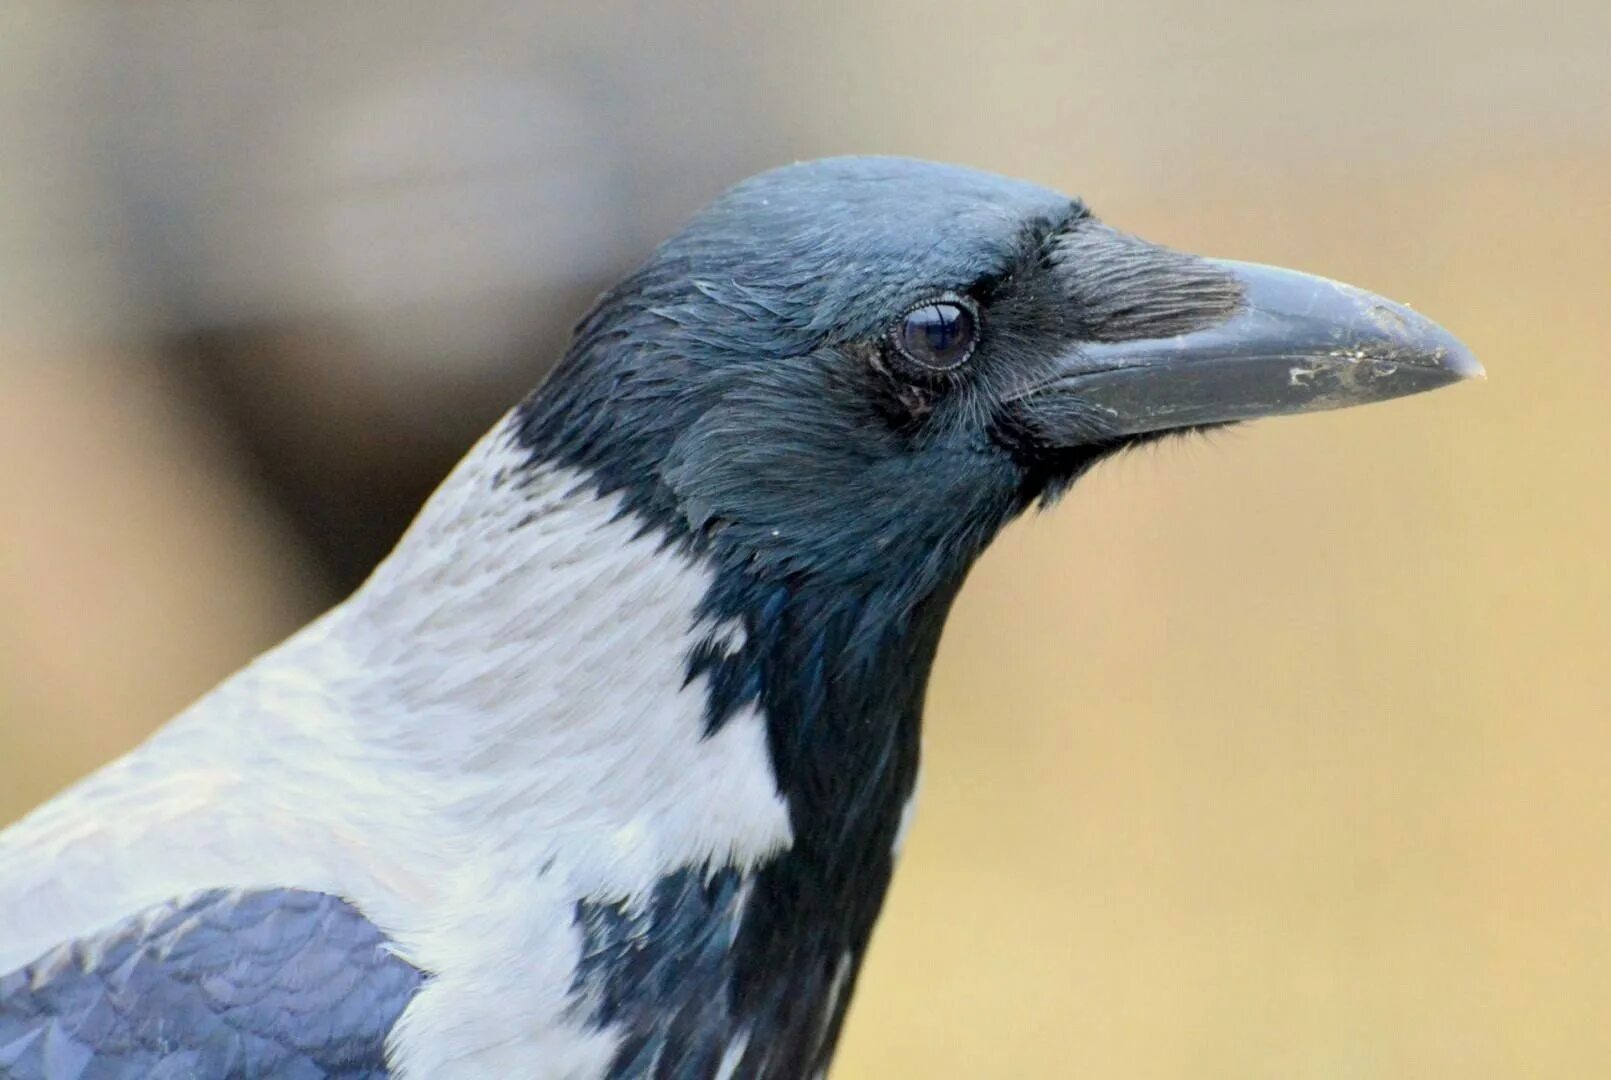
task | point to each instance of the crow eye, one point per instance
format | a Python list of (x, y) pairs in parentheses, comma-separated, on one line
[(938, 335)]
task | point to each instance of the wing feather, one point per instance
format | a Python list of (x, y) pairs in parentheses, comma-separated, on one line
[(256, 983)]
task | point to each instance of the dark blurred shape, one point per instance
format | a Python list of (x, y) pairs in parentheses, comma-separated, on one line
[(347, 460), (359, 238)]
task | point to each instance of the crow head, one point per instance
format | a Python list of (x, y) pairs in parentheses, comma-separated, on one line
[(856, 370)]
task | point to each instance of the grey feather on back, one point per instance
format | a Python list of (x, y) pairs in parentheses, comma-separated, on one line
[(270, 983)]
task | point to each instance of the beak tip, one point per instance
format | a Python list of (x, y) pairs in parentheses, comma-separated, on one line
[(1405, 328), (1462, 364)]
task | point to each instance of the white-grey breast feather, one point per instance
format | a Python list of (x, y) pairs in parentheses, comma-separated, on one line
[(493, 728)]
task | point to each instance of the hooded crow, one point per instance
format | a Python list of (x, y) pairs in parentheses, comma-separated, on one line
[(603, 772)]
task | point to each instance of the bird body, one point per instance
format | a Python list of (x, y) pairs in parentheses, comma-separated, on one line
[(466, 813), (604, 770)]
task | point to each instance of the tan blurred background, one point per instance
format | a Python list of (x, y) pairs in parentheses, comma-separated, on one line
[(1280, 754)]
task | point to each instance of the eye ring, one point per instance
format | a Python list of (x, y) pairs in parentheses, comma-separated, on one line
[(938, 334)]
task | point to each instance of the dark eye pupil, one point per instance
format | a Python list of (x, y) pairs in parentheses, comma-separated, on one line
[(938, 335)]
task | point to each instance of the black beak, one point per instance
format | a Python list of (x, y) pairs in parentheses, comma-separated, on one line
[(1295, 343)]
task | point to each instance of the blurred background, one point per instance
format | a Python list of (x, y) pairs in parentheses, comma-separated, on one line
[(1280, 754)]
